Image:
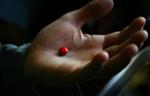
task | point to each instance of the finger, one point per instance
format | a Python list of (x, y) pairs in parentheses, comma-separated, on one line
[(93, 10), (137, 38), (119, 37), (89, 71), (136, 25), (111, 39), (113, 50), (119, 61)]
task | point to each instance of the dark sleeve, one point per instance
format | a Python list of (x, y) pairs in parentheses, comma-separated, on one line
[(12, 64)]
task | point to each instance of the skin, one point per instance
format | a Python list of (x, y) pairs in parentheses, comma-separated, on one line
[(89, 56)]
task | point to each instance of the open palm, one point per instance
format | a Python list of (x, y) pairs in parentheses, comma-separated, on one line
[(88, 54)]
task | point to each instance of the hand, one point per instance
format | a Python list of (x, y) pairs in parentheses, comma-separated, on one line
[(87, 53), (123, 46)]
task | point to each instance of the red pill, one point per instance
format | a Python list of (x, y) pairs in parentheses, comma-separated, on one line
[(63, 51)]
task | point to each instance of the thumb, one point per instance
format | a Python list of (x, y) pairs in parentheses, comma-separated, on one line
[(93, 10)]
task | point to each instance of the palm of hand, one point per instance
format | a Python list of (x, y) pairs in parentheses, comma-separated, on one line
[(82, 49)]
